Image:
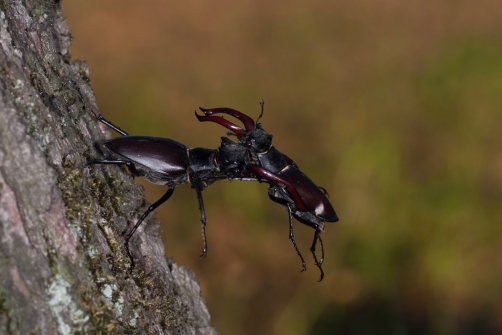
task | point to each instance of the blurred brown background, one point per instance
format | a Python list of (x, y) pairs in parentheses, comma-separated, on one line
[(395, 107)]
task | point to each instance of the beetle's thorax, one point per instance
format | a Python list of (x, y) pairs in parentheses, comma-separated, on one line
[(203, 169), (272, 160)]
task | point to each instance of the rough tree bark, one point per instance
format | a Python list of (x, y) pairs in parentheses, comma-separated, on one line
[(63, 267)]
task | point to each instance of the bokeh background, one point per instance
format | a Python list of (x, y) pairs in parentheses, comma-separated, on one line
[(395, 107)]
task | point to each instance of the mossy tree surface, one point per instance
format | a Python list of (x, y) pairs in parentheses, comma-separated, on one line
[(63, 268)]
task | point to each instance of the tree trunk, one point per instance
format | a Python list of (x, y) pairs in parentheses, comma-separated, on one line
[(63, 266)]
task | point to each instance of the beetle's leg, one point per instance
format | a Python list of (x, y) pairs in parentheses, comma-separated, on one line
[(203, 221), (276, 179), (129, 164), (312, 249), (322, 251), (100, 117), (292, 238), (159, 202)]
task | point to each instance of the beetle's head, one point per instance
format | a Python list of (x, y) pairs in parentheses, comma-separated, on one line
[(232, 155), (258, 139)]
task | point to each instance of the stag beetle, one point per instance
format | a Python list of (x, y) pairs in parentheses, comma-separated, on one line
[(288, 186), (253, 158)]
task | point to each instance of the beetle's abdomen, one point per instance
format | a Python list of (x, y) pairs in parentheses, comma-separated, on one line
[(162, 155), (311, 195)]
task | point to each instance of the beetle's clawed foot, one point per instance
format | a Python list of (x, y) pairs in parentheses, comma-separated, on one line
[(319, 265), (203, 253), (304, 267), (322, 272)]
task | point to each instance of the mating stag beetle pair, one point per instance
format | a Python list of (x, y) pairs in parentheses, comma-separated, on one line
[(253, 158)]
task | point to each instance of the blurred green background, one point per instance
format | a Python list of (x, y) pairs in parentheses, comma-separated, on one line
[(395, 107)]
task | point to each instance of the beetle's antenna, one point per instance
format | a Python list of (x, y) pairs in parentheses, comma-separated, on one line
[(262, 103)]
